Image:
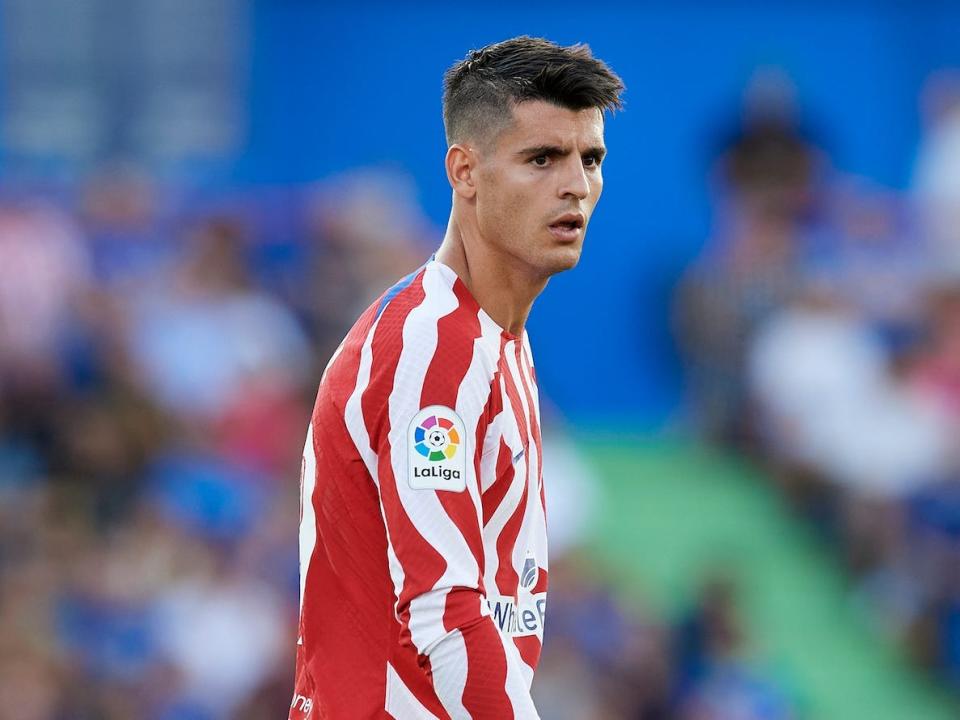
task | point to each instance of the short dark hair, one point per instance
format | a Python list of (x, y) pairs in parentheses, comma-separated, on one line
[(479, 92)]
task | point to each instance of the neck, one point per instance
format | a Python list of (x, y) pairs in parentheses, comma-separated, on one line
[(502, 285)]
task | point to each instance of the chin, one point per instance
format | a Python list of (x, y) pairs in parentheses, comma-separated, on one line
[(560, 259)]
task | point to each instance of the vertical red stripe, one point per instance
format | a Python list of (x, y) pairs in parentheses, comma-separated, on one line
[(486, 672), (495, 493), (506, 573), (513, 396), (525, 370), (456, 334), (493, 408), (529, 648), (523, 364)]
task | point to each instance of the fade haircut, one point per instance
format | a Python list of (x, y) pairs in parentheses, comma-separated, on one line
[(480, 91)]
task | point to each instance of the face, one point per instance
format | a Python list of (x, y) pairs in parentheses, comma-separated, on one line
[(538, 184)]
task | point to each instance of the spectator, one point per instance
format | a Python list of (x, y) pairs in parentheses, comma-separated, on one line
[(752, 264)]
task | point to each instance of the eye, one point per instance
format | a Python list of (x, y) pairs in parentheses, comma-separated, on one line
[(540, 160), (591, 160)]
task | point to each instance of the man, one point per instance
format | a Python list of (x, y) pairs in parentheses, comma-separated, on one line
[(423, 555)]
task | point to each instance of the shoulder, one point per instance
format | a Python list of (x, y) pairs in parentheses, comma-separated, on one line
[(429, 311), (430, 338)]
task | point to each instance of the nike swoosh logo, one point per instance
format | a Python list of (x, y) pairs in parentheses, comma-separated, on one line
[(517, 457)]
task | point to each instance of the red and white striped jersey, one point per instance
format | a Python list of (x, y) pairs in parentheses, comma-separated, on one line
[(423, 551)]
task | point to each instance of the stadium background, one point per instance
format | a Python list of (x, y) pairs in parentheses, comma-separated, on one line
[(750, 380)]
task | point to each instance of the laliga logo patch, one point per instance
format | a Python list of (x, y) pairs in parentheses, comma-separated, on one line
[(435, 457), (436, 438), (522, 614)]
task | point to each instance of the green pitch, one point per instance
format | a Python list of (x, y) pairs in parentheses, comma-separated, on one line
[(674, 511)]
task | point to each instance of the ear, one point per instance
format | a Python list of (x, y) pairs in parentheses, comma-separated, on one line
[(461, 163)]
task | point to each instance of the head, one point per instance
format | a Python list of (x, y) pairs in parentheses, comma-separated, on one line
[(524, 123)]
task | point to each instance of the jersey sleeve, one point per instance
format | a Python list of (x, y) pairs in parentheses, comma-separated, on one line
[(426, 409)]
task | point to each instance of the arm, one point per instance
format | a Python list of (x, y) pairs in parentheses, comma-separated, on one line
[(433, 517)]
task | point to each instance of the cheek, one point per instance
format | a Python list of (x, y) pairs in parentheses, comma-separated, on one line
[(504, 209)]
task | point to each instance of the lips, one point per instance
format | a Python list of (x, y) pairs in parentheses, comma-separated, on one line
[(568, 227)]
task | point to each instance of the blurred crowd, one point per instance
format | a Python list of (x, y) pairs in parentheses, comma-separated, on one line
[(606, 659), (821, 332), (158, 360)]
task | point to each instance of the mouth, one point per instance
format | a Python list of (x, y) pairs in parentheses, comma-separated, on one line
[(568, 227)]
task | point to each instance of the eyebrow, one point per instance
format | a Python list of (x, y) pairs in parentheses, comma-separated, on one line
[(556, 151)]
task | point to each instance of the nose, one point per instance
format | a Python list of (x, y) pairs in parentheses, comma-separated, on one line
[(574, 182)]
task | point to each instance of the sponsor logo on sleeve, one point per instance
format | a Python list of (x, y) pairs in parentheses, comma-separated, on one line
[(436, 454), (519, 617), (522, 615)]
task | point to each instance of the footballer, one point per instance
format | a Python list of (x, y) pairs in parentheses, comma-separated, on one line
[(423, 545)]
